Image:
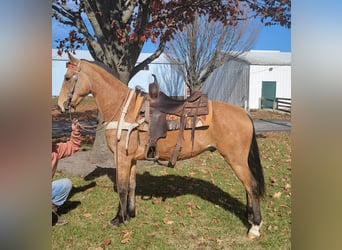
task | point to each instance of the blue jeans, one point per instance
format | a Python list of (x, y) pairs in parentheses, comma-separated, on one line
[(60, 191)]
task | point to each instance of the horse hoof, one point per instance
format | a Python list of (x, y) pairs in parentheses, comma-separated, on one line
[(254, 232), (114, 222), (252, 236)]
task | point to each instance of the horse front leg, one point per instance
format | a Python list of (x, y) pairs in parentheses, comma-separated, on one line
[(122, 184), (131, 193)]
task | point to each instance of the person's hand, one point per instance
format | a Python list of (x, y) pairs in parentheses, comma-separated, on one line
[(75, 126)]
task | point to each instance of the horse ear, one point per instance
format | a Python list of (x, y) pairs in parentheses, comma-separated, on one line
[(72, 59)]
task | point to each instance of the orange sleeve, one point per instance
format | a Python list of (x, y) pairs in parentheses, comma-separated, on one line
[(65, 149)]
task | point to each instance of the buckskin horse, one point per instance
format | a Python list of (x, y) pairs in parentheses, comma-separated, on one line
[(230, 131)]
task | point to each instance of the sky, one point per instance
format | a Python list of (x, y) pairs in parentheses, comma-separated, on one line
[(270, 38), (274, 38)]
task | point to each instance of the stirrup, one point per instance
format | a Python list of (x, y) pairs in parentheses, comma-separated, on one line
[(151, 155)]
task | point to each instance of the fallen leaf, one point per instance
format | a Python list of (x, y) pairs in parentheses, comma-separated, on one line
[(106, 242), (215, 220), (126, 240), (277, 195), (156, 200), (167, 221), (180, 213), (90, 189), (126, 236), (87, 215), (191, 174), (219, 241), (190, 211), (126, 233)]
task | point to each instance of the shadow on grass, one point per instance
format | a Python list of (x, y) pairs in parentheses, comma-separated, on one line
[(170, 186), (71, 205)]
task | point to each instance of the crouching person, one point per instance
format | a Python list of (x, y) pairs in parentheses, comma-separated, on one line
[(62, 187)]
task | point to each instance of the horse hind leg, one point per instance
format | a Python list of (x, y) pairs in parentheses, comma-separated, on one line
[(257, 188), (249, 208), (253, 212)]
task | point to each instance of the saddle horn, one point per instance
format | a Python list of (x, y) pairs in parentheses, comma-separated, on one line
[(153, 88)]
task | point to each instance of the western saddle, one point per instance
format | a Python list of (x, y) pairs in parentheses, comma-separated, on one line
[(158, 107)]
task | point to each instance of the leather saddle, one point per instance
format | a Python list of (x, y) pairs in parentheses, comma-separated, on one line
[(158, 105)]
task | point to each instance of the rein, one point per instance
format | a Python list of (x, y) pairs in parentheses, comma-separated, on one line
[(92, 128)]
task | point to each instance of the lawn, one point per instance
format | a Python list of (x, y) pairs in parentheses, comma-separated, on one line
[(199, 204)]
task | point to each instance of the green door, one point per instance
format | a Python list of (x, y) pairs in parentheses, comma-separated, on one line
[(268, 94)]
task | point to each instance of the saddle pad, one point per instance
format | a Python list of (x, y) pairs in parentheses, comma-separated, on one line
[(173, 121)]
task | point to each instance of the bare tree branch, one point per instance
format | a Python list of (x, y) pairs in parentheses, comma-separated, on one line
[(148, 60), (204, 45)]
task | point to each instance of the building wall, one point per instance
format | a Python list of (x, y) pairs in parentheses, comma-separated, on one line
[(281, 74), (229, 83)]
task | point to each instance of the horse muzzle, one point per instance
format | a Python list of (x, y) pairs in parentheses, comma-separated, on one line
[(60, 109), (66, 106)]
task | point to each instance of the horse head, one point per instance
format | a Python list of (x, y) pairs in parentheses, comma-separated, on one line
[(75, 85)]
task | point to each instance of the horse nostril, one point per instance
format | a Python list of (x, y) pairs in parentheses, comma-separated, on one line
[(66, 106)]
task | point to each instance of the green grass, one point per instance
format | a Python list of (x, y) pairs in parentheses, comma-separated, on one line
[(197, 205)]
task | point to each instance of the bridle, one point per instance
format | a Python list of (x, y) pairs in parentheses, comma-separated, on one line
[(67, 103)]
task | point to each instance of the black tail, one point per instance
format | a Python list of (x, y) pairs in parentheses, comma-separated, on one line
[(255, 165)]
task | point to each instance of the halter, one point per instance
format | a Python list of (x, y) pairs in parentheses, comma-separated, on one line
[(67, 103)]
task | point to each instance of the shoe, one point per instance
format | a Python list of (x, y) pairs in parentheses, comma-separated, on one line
[(61, 221), (56, 218), (54, 208)]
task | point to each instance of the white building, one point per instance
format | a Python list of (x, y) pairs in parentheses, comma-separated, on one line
[(252, 80), (269, 76)]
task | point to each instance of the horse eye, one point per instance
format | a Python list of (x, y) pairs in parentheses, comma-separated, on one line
[(67, 78)]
